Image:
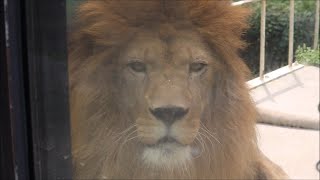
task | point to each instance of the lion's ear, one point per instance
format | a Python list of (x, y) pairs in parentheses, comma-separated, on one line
[(79, 46)]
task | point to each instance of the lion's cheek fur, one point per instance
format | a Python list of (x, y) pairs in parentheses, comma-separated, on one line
[(149, 130), (185, 130)]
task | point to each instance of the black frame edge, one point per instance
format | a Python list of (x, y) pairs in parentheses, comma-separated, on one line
[(13, 79), (6, 148), (48, 88)]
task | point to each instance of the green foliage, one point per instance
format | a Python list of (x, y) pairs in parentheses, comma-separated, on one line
[(307, 55), (277, 32)]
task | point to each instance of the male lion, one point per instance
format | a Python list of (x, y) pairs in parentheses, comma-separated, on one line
[(158, 91)]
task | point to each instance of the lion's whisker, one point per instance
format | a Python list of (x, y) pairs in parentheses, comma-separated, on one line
[(129, 139), (203, 134), (206, 147), (123, 133), (210, 134), (128, 135), (126, 140), (205, 128), (202, 148), (126, 130), (203, 142)]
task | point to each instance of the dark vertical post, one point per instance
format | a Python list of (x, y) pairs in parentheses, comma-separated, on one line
[(13, 80), (48, 82), (6, 148)]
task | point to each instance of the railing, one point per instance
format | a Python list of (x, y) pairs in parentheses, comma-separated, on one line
[(264, 78)]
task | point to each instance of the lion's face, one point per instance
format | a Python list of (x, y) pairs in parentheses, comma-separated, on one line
[(159, 92), (165, 85)]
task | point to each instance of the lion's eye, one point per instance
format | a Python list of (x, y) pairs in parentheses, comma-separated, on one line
[(197, 67), (137, 66)]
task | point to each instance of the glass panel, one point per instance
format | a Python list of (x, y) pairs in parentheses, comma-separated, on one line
[(141, 89)]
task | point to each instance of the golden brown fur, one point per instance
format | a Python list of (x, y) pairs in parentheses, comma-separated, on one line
[(104, 145)]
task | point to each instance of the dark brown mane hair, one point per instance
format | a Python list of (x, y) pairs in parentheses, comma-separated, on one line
[(109, 25)]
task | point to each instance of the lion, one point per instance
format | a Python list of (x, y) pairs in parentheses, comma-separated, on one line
[(157, 91)]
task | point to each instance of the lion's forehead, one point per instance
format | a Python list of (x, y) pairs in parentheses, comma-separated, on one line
[(179, 49)]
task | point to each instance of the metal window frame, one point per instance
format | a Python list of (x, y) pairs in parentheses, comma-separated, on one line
[(34, 109), (48, 87), (14, 143), (6, 148)]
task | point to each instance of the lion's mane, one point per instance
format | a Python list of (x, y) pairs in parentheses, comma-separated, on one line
[(95, 118)]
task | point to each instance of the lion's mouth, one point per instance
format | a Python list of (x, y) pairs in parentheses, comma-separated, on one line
[(167, 140)]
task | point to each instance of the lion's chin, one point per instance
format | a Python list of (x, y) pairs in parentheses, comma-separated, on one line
[(168, 154)]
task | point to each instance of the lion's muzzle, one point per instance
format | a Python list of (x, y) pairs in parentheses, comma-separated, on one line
[(169, 114)]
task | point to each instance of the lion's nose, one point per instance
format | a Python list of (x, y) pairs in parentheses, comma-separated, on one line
[(169, 114)]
